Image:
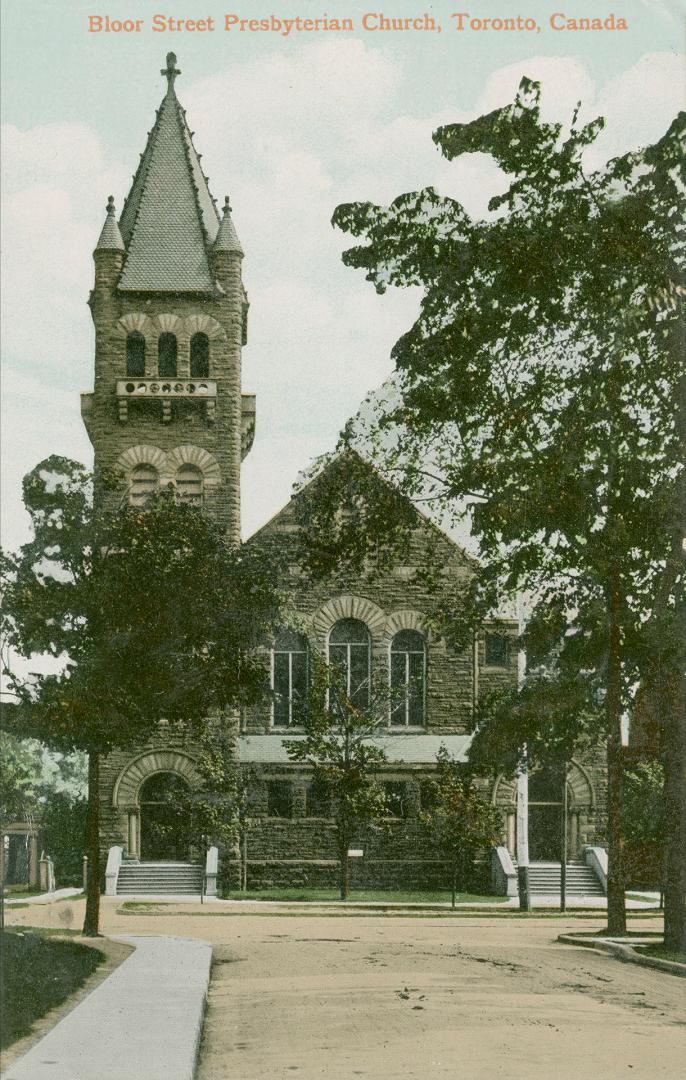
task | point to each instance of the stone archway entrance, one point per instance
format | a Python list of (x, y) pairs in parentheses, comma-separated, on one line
[(144, 794), (164, 819), (545, 811)]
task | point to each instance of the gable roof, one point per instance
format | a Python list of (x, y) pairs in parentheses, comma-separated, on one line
[(423, 518), (169, 221)]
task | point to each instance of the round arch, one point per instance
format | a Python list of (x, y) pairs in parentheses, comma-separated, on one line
[(405, 619), (128, 784), (349, 607), (142, 455), (193, 455), (203, 324), (580, 789), (134, 321)]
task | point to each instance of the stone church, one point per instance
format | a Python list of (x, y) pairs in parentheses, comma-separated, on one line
[(171, 321)]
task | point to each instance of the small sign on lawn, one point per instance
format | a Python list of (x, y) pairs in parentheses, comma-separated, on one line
[(355, 853)]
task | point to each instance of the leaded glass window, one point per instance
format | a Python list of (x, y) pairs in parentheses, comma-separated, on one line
[(408, 679), (289, 678), (350, 654)]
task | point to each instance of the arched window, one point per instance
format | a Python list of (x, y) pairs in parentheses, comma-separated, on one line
[(200, 356), (289, 677), (350, 653), (166, 356), (408, 679), (143, 483), (189, 482), (135, 354)]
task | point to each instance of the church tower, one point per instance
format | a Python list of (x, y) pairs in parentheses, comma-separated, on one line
[(170, 315)]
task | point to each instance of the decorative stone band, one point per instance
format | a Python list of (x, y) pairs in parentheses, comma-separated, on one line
[(165, 390)]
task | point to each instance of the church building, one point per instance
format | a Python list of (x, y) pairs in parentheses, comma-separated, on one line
[(171, 321)]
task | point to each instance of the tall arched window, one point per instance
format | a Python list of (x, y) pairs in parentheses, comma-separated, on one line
[(189, 483), (143, 484), (350, 653), (408, 679), (135, 354), (289, 677), (166, 356), (200, 356)]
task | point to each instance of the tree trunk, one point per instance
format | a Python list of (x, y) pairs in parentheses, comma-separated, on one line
[(454, 889), (674, 723), (91, 925), (674, 759), (616, 909)]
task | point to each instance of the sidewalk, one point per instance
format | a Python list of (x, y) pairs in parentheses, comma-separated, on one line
[(142, 1023), (43, 898)]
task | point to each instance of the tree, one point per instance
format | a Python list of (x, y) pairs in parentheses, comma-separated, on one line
[(340, 723), (20, 775), (644, 818), (148, 613), (460, 825), (543, 385)]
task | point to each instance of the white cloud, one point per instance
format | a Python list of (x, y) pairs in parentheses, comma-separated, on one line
[(289, 135)]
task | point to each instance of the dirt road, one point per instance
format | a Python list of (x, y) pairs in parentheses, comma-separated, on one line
[(316, 998)]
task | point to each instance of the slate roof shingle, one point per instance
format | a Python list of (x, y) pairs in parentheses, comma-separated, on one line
[(169, 221)]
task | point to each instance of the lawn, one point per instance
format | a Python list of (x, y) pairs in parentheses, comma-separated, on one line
[(364, 896), (17, 892), (39, 972), (660, 953)]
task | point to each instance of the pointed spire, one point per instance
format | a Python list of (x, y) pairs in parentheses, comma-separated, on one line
[(169, 221), (171, 71), (227, 237), (110, 237)]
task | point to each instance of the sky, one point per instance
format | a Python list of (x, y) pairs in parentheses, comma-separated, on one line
[(289, 127)]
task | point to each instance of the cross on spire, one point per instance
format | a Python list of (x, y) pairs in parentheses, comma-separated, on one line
[(171, 70)]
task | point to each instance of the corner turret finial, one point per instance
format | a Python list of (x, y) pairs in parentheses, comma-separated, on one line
[(110, 237), (227, 239), (171, 70)]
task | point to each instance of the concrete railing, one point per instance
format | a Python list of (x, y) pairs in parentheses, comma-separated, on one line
[(596, 858), (112, 870), (503, 873), (46, 873), (211, 867)]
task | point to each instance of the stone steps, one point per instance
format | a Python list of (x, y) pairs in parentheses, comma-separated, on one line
[(544, 880), (159, 879)]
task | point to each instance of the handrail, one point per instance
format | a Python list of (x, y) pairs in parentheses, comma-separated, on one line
[(114, 858), (211, 869), (503, 873), (596, 858)]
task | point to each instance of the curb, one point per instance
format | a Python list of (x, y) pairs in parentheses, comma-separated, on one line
[(625, 953)]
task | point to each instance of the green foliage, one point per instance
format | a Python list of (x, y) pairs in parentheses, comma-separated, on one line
[(338, 746), (37, 975), (460, 825), (19, 777), (543, 385), (541, 389), (151, 614), (644, 813), (63, 835)]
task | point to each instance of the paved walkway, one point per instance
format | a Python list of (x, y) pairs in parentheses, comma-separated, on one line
[(43, 898), (141, 1023)]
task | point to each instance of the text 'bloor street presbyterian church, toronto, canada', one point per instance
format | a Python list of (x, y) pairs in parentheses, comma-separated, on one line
[(167, 409)]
